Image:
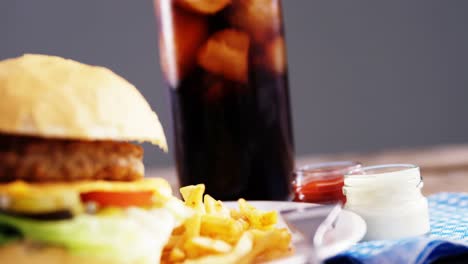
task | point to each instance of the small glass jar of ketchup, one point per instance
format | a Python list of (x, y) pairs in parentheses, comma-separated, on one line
[(322, 183)]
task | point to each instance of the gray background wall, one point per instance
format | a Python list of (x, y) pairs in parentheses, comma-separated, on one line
[(365, 74)]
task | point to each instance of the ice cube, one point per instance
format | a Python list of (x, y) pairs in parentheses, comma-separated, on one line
[(204, 6), (260, 18), (226, 53), (275, 55), (182, 34)]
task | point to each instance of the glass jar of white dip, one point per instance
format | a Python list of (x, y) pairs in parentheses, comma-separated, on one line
[(389, 199)]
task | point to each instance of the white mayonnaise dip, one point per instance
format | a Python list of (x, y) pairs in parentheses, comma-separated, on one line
[(389, 199)]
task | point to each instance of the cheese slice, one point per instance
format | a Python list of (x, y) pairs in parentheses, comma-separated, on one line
[(21, 196)]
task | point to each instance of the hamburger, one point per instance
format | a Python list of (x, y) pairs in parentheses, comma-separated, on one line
[(72, 186)]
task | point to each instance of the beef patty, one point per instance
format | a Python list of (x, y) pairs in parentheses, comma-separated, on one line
[(35, 159)]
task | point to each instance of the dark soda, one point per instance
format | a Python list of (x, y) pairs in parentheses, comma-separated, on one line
[(225, 64)]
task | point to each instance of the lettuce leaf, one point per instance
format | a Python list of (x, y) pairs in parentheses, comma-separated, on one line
[(136, 235)]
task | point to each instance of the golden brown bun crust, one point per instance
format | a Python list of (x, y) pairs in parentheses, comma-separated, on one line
[(22, 253), (49, 96)]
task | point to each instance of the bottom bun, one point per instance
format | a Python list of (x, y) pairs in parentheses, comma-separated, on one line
[(27, 253)]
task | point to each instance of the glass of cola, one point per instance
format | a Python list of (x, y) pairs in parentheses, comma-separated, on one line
[(225, 64)]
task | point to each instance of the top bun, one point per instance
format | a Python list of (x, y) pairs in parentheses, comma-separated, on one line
[(53, 97)]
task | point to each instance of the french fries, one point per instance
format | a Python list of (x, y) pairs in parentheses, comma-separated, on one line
[(216, 234), (199, 246), (242, 248), (193, 196)]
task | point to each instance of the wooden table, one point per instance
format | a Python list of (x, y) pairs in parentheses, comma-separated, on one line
[(444, 168)]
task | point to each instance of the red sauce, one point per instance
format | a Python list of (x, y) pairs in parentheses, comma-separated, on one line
[(322, 183)]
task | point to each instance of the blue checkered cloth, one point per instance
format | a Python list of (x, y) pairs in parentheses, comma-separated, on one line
[(447, 240)]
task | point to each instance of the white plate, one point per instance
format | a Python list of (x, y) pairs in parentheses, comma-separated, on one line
[(348, 230)]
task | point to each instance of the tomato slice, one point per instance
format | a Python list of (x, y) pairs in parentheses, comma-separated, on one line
[(119, 199)]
